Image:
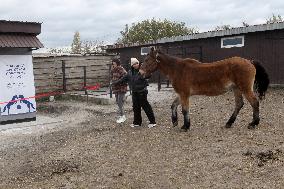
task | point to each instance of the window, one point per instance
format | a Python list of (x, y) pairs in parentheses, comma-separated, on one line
[(229, 42), (145, 50)]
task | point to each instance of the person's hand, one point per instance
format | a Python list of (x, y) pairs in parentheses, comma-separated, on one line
[(142, 72)]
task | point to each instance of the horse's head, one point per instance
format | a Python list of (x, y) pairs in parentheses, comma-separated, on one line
[(150, 63)]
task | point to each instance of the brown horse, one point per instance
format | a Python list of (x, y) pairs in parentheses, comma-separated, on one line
[(190, 77)]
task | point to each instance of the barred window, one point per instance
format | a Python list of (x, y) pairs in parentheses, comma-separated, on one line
[(145, 50), (229, 42)]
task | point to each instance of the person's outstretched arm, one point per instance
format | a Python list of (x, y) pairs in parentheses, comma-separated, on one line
[(123, 79)]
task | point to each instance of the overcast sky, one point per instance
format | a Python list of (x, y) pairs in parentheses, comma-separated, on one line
[(103, 20)]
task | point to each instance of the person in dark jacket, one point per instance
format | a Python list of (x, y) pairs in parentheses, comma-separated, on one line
[(119, 89), (138, 85)]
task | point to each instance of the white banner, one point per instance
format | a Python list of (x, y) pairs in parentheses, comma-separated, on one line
[(16, 84)]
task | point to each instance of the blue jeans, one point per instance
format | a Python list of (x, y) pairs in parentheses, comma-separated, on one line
[(119, 98)]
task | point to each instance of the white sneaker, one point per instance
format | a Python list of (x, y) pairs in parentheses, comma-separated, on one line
[(152, 125), (133, 125), (121, 119)]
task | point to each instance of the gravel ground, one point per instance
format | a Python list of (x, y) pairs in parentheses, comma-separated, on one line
[(89, 150)]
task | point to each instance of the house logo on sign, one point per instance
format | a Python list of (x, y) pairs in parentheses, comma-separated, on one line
[(18, 104)]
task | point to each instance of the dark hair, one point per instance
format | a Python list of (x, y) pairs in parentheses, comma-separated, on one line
[(117, 61)]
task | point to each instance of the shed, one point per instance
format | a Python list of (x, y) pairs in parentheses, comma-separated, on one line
[(17, 95), (264, 43)]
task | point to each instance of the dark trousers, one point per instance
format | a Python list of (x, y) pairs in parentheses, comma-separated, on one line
[(139, 100)]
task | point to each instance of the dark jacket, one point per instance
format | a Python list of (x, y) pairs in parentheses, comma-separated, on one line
[(137, 83)]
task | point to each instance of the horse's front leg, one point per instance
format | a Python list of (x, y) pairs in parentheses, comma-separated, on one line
[(174, 107), (185, 112), (239, 103)]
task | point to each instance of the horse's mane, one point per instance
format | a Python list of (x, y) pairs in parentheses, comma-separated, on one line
[(171, 60), (176, 61), (168, 57), (187, 61)]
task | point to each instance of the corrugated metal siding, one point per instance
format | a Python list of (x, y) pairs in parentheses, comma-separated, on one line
[(209, 34), (266, 47), (25, 41)]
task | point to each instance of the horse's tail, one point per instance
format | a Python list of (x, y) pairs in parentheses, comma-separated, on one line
[(261, 79)]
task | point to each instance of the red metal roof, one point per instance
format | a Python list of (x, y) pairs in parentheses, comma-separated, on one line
[(19, 41)]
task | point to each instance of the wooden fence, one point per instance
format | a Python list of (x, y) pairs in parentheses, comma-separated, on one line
[(67, 72)]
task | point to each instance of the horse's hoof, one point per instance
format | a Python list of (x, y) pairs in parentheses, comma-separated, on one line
[(228, 126), (174, 120), (175, 123), (251, 126), (184, 129)]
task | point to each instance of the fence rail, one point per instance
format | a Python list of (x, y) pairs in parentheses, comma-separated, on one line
[(71, 73)]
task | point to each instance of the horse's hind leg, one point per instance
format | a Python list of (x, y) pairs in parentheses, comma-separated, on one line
[(174, 106), (250, 96), (239, 103), (185, 112)]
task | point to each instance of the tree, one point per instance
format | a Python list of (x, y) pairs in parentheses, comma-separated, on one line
[(87, 47), (222, 27), (274, 19), (92, 46), (245, 24), (60, 50), (76, 47), (153, 29)]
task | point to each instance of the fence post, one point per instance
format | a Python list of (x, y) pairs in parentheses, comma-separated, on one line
[(85, 80), (64, 75), (110, 89), (183, 52), (168, 83), (201, 54), (159, 81)]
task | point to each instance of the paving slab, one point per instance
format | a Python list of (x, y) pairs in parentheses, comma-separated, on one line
[(41, 120)]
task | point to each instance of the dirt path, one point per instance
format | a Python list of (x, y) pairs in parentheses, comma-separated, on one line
[(89, 150)]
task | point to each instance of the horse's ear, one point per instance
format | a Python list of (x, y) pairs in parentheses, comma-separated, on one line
[(158, 56), (160, 48), (152, 52)]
